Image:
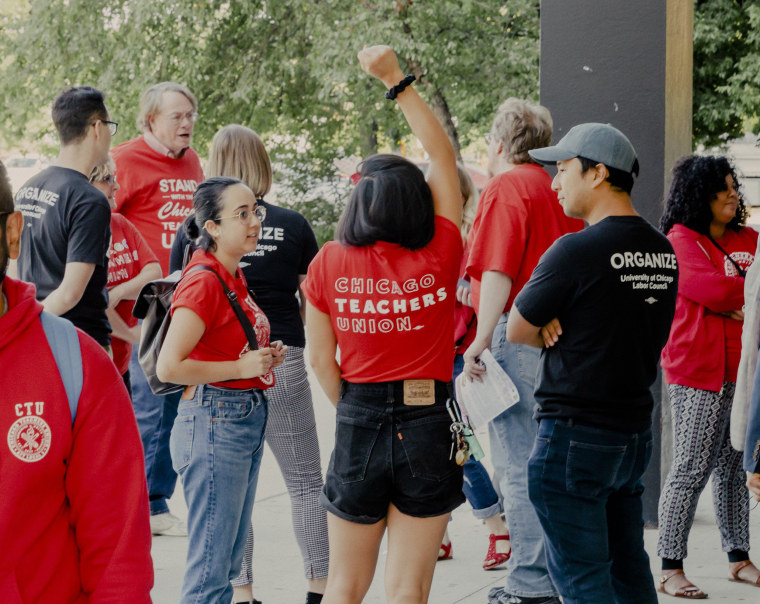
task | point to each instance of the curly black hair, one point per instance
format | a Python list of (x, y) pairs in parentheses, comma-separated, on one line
[(697, 180)]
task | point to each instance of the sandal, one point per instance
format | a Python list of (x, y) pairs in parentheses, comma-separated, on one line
[(738, 568), (446, 552), (494, 558), (689, 590)]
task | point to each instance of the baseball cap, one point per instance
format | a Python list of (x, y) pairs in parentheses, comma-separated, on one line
[(601, 143)]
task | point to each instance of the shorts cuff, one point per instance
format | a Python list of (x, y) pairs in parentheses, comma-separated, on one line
[(330, 507)]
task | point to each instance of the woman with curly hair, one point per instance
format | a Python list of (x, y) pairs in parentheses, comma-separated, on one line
[(704, 221)]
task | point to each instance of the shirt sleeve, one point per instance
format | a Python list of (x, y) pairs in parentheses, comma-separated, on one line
[(500, 240), (199, 291), (89, 231), (313, 286), (549, 288), (448, 241), (106, 465), (700, 280), (309, 249)]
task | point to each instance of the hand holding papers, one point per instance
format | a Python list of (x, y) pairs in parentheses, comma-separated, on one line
[(482, 401)]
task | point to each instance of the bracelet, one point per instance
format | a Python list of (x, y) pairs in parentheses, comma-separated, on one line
[(400, 87)]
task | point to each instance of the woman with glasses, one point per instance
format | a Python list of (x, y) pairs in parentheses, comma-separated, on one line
[(131, 264), (274, 272), (384, 294), (218, 436)]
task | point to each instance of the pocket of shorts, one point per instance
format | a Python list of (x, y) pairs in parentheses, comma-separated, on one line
[(427, 446), (181, 442), (592, 469), (354, 440)]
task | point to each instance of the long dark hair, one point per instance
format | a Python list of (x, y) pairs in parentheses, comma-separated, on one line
[(696, 181), (207, 204), (391, 202)]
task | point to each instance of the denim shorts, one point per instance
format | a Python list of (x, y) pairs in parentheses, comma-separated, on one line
[(387, 452)]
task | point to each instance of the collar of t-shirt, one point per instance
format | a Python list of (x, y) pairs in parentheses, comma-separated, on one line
[(159, 147)]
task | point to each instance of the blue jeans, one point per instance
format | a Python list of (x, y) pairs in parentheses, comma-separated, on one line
[(216, 447), (155, 418), (512, 436), (477, 486), (585, 484)]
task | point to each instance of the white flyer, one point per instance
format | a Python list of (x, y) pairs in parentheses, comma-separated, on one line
[(482, 401)]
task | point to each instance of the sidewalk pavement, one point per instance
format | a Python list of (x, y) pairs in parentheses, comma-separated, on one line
[(278, 569)]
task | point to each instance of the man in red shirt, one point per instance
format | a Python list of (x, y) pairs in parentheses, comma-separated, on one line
[(158, 173), (518, 218), (74, 508)]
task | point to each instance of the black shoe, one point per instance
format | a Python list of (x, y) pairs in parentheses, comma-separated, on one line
[(498, 596)]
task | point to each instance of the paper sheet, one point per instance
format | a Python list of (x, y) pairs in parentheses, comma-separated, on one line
[(482, 401)]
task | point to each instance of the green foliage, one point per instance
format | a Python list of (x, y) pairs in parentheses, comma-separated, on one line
[(287, 69), (726, 69)]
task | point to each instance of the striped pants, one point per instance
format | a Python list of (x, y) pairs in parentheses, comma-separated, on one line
[(291, 434), (701, 447)]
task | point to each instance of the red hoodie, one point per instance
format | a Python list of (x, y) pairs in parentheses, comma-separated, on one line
[(73, 510)]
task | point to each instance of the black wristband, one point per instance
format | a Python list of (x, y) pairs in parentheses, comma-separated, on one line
[(400, 87)]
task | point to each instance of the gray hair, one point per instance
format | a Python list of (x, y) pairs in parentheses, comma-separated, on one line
[(150, 101), (521, 126)]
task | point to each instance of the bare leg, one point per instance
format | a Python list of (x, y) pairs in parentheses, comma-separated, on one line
[(317, 585), (412, 551), (496, 526), (353, 557), (242, 593)]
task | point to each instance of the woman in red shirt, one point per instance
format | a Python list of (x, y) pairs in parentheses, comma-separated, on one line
[(217, 439), (384, 294), (704, 221)]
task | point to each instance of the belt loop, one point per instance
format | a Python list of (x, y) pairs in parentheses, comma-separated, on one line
[(390, 397), (342, 388)]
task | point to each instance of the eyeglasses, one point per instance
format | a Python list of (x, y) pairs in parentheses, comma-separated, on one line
[(178, 118), (112, 126), (108, 179), (489, 137), (244, 216)]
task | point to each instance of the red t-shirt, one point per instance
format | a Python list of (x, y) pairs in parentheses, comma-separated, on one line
[(518, 218), (127, 256), (392, 309), (224, 338), (156, 192)]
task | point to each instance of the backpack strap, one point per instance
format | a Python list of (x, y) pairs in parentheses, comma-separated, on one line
[(64, 343)]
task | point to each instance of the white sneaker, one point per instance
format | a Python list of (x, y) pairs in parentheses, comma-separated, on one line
[(168, 525)]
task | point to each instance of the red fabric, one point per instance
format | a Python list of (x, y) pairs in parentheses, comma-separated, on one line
[(224, 338), (392, 310), (73, 516), (127, 256), (156, 192), (518, 218), (704, 347), (465, 321)]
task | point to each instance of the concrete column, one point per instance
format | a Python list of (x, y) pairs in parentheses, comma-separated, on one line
[(628, 64)]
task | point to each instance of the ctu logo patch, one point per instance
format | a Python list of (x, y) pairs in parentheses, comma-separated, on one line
[(29, 436)]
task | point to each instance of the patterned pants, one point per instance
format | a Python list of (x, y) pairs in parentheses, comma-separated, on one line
[(702, 447), (291, 434)]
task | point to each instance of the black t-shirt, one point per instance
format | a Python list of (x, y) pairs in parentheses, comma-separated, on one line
[(613, 288), (286, 247), (66, 219)]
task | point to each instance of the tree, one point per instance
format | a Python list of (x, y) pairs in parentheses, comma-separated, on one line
[(287, 69), (726, 70)]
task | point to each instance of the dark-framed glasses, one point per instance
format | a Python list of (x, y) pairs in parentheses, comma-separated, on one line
[(112, 126), (244, 216)]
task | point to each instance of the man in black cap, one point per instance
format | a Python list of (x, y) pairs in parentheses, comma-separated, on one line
[(599, 304)]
